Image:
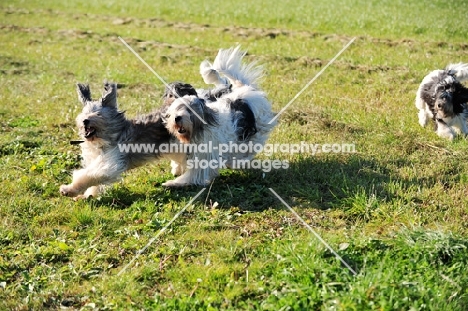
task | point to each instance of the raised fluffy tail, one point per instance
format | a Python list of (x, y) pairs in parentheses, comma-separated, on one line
[(228, 69), (459, 71)]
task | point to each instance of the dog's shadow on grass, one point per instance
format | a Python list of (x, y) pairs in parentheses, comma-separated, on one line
[(123, 197), (318, 182)]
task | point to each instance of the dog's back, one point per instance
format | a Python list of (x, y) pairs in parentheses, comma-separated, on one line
[(459, 71), (228, 63)]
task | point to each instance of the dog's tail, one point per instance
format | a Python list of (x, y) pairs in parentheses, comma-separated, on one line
[(228, 69), (459, 71)]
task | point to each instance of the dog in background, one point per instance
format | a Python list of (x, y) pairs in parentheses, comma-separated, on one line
[(234, 112), (103, 127), (443, 98)]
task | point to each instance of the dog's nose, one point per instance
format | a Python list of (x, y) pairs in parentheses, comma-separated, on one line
[(86, 122), (178, 118)]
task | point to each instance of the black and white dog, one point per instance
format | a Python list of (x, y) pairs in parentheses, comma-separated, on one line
[(443, 98), (234, 113)]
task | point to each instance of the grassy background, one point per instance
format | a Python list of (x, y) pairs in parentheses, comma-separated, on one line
[(395, 209)]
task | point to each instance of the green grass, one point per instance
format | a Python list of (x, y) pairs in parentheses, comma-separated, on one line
[(395, 210)]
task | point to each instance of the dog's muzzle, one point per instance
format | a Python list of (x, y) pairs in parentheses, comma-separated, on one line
[(444, 105), (89, 131), (180, 128)]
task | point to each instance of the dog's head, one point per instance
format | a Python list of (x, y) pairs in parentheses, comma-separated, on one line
[(443, 95), (100, 120), (449, 96), (175, 90), (187, 117)]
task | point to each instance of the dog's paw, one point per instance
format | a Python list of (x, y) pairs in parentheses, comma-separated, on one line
[(450, 136), (91, 192), (68, 191), (83, 197), (174, 184), (177, 170)]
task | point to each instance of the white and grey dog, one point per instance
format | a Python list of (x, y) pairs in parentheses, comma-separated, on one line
[(235, 113), (104, 128), (443, 98)]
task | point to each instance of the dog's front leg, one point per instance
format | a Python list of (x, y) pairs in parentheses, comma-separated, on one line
[(91, 192), (177, 169), (178, 162), (445, 131), (102, 170), (423, 117), (81, 181), (180, 181), (91, 179), (193, 176)]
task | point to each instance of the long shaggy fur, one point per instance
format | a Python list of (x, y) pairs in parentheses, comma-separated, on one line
[(228, 62), (226, 73), (235, 110), (443, 98), (240, 117), (103, 127)]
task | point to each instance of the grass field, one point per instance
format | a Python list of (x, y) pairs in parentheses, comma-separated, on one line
[(395, 210)]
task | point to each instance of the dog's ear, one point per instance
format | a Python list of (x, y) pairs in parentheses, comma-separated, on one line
[(207, 114), (179, 89), (84, 94), (109, 97), (461, 95)]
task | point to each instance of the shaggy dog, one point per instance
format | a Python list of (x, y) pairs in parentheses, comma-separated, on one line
[(235, 114), (443, 98), (234, 111), (104, 130)]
